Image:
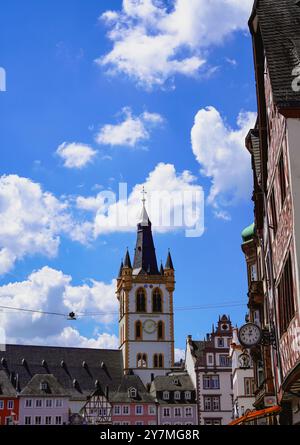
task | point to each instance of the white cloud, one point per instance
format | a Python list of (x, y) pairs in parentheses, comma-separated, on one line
[(50, 290), (30, 221), (179, 354), (130, 131), (152, 43), (220, 150), (174, 201), (76, 155)]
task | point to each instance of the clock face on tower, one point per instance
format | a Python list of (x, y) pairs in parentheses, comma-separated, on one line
[(149, 326), (249, 334)]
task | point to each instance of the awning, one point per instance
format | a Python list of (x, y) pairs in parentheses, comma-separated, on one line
[(252, 415)]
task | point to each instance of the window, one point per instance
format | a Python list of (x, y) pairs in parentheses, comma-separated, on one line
[(211, 403), (282, 181), (132, 393), (249, 385), (151, 410), (48, 420), (125, 423), (286, 297), (10, 404), (126, 410), (49, 403), (177, 412), (211, 382), (166, 395), (140, 300), (158, 361), (156, 301), (273, 211), (187, 395), (224, 360), (166, 412), (44, 386), (210, 359), (177, 395), (139, 423), (141, 360), (27, 420), (220, 342), (28, 403), (188, 411), (58, 403), (212, 421), (1, 404), (139, 410), (160, 330), (117, 410), (253, 272), (138, 330), (58, 420), (38, 420), (38, 403)]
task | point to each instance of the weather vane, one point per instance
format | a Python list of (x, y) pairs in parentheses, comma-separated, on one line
[(144, 193)]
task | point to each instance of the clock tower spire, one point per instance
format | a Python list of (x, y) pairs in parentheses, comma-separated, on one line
[(145, 297)]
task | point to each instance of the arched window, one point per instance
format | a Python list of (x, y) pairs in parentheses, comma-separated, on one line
[(158, 361), (156, 301), (160, 330), (140, 300), (138, 330), (141, 360)]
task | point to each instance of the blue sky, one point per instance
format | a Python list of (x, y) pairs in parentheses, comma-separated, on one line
[(58, 95)]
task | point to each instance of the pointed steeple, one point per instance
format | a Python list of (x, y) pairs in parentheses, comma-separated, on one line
[(120, 270), (144, 257), (161, 268), (127, 261), (169, 262)]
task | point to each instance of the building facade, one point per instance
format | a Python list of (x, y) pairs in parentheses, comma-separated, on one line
[(9, 403), (146, 318), (274, 148), (132, 404), (209, 365), (243, 383), (175, 395)]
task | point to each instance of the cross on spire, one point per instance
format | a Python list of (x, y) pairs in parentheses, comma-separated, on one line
[(143, 192)]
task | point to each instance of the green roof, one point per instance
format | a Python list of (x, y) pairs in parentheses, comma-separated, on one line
[(248, 233)]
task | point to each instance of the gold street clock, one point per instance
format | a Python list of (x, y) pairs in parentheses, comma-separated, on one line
[(149, 326)]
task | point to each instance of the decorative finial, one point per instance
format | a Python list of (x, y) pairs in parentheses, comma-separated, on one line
[(143, 192)]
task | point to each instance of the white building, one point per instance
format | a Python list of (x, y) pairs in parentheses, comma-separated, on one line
[(145, 294), (242, 378), (209, 365)]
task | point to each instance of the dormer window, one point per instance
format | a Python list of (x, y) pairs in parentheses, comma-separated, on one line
[(177, 395), (132, 393), (43, 386), (187, 395), (166, 395), (176, 382)]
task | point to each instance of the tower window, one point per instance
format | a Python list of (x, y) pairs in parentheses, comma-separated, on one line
[(138, 330), (160, 330), (156, 301), (141, 360), (158, 361), (140, 300)]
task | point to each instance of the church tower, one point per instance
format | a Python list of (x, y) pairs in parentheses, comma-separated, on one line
[(146, 318)]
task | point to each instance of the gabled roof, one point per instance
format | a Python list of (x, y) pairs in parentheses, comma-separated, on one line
[(197, 348), (6, 388), (53, 387), (279, 23), (76, 369), (128, 382)]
